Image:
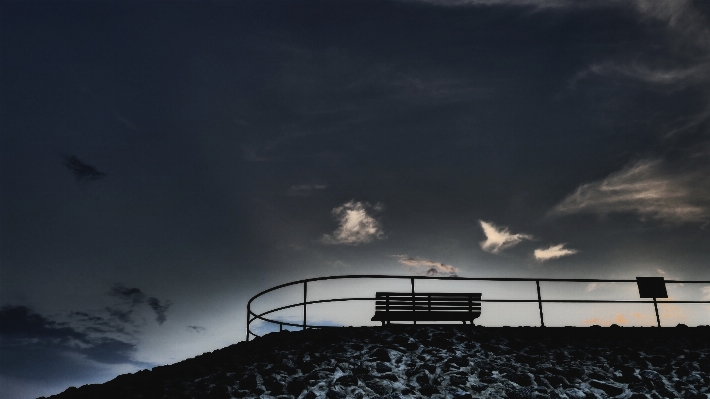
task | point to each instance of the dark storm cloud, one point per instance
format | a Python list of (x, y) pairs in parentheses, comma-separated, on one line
[(33, 343), (122, 315), (159, 308), (20, 322), (81, 170), (134, 297)]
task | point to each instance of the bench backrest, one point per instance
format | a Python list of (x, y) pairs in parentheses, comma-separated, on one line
[(427, 302)]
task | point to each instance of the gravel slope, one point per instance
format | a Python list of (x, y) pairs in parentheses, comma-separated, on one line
[(436, 362)]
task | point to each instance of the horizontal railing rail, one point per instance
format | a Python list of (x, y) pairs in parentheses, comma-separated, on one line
[(252, 316)]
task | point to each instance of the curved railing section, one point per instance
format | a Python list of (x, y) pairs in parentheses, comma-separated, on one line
[(252, 316)]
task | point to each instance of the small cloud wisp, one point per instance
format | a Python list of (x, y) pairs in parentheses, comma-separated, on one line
[(499, 238), (432, 268), (553, 252)]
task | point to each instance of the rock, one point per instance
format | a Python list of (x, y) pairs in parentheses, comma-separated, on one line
[(650, 375), (307, 367), (347, 380), (556, 380), (657, 360), (431, 368), (273, 385), (428, 389), (575, 393), (382, 367), (379, 387), (522, 379), (489, 380), (422, 379), (478, 387), (458, 380), (693, 394), (458, 394), (611, 390), (521, 393), (573, 372), (332, 394), (295, 387), (381, 354), (249, 382)]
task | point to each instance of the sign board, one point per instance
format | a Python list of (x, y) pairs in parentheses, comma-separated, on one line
[(651, 287)]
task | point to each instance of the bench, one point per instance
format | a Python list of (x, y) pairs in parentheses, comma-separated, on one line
[(432, 306)]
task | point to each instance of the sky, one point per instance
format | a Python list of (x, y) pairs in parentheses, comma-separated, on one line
[(162, 162)]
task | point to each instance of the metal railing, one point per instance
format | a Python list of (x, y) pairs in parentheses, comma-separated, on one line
[(251, 316)]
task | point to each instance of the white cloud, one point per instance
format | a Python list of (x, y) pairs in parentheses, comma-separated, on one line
[(706, 293), (498, 239), (520, 3), (432, 268), (645, 188), (553, 252), (356, 225), (677, 78), (303, 190)]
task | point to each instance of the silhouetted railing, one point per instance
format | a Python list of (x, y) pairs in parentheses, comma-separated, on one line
[(251, 316)]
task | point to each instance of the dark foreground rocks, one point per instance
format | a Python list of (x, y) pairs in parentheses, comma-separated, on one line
[(455, 362)]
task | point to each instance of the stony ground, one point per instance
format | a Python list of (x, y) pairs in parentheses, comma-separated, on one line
[(437, 362)]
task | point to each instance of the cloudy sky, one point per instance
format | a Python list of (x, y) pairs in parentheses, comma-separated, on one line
[(162, 162)]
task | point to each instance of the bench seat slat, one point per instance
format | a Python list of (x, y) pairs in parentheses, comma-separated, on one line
[(426, 303), (400, 308), (425, 299), (425, 295)]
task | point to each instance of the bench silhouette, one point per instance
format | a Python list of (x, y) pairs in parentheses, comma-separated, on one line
[(426, 306)]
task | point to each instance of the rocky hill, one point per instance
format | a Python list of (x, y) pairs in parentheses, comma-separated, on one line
[(436, 362)]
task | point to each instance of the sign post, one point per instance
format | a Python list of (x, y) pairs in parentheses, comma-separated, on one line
[(652, 287)]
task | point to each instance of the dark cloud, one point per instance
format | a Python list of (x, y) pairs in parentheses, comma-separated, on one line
[(196, 329), (81, 171), (20, 322), (134, 295), (32, 343), (122, 315), (159, 308)]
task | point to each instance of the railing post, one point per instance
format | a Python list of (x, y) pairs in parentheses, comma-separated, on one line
[(539, 303), (248, 317), (412, 280), (305, 297), (655, 306)]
